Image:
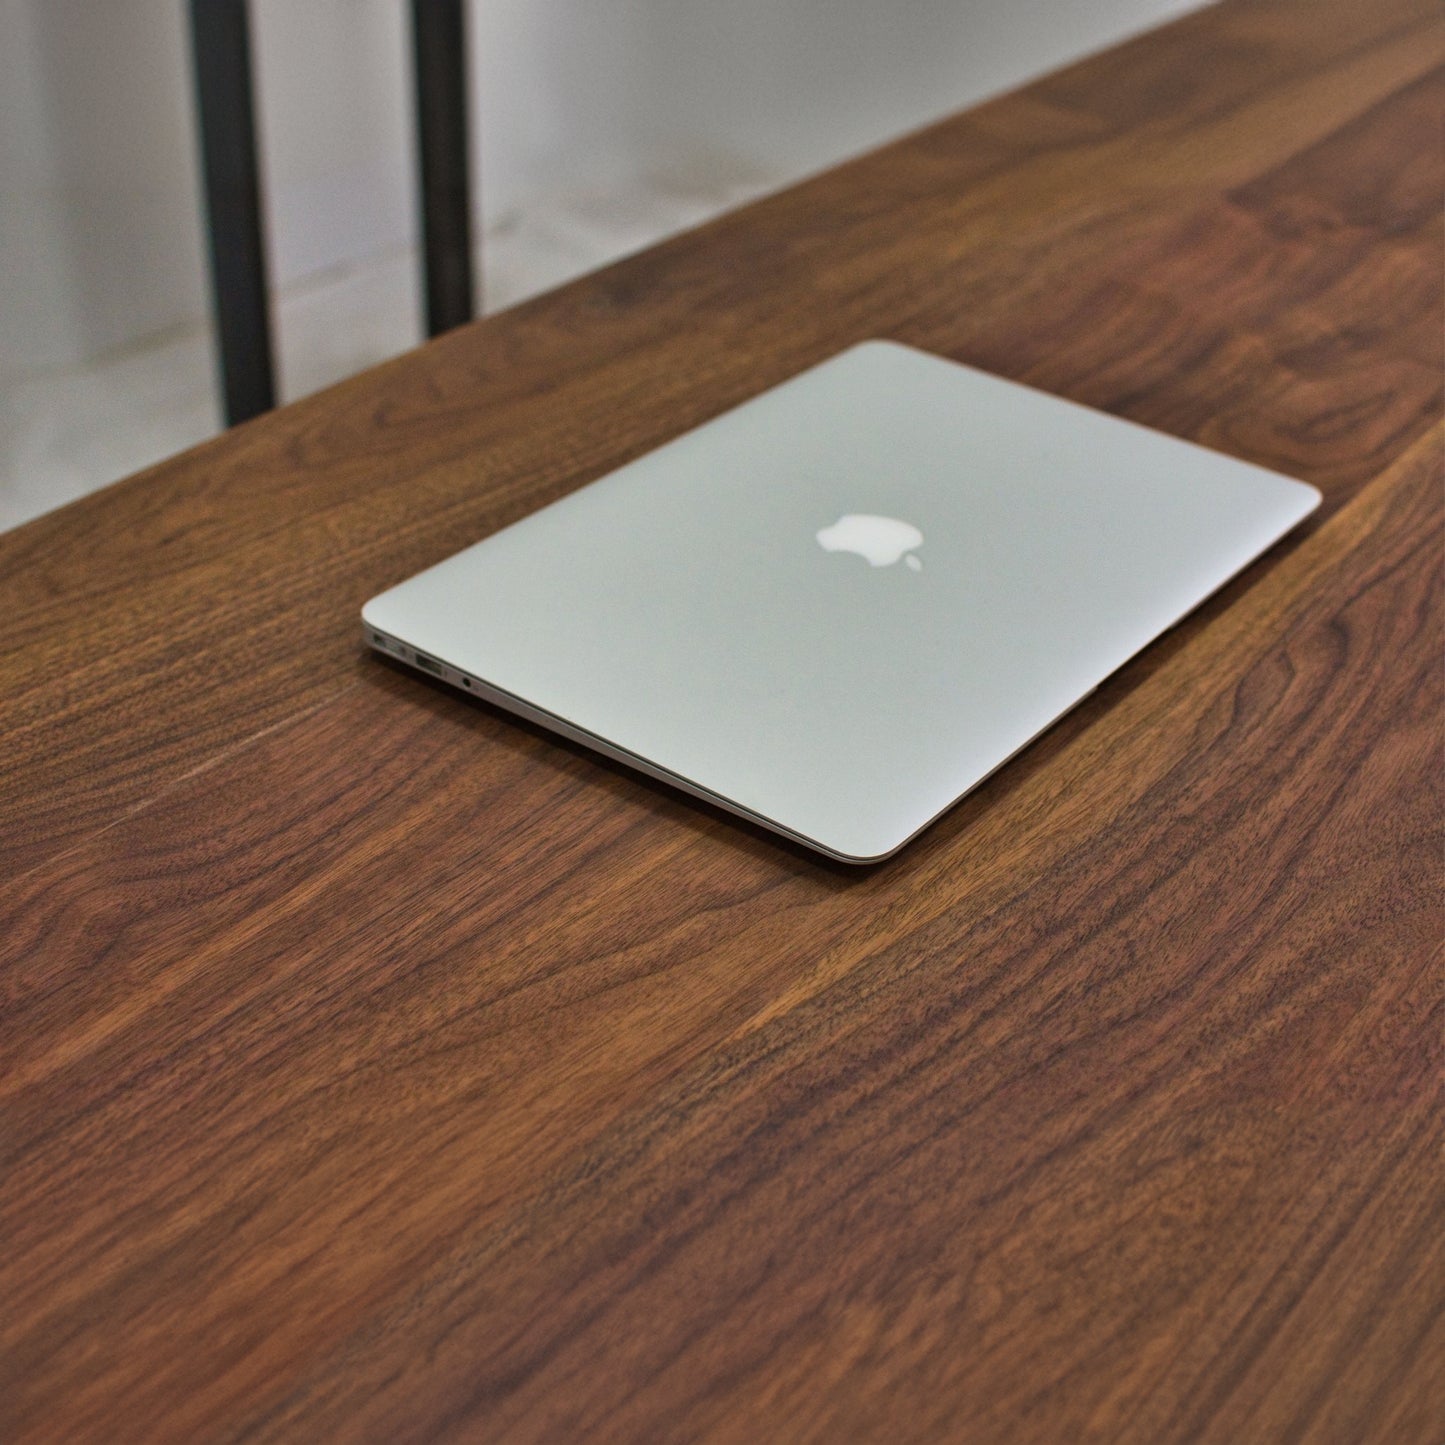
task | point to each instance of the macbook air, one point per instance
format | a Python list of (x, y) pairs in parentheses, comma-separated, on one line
[(837, 608)]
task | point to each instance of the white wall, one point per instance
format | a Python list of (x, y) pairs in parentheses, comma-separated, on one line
[(98, 232), (576, 88), (100, 245)]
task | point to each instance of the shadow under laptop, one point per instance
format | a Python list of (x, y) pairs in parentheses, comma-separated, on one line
[(541, 748)]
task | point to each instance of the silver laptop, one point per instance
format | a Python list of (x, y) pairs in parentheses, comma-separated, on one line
[(839, 607)]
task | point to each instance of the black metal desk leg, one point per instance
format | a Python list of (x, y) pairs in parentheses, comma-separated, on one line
[(440, 63), (220, 46)]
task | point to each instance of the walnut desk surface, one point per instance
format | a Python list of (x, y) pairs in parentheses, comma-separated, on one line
[(376, 1067)]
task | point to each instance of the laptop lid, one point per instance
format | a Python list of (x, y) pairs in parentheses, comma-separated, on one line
[(840, 606)]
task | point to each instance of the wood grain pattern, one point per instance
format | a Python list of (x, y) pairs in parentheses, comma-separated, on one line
[(376, 1067)]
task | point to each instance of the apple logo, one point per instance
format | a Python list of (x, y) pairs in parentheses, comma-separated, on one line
[(881, 540)]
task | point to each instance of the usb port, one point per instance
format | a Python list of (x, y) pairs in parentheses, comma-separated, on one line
[(427, 664)]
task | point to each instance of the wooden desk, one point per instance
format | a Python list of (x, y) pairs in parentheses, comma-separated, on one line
[(378, 1068)]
